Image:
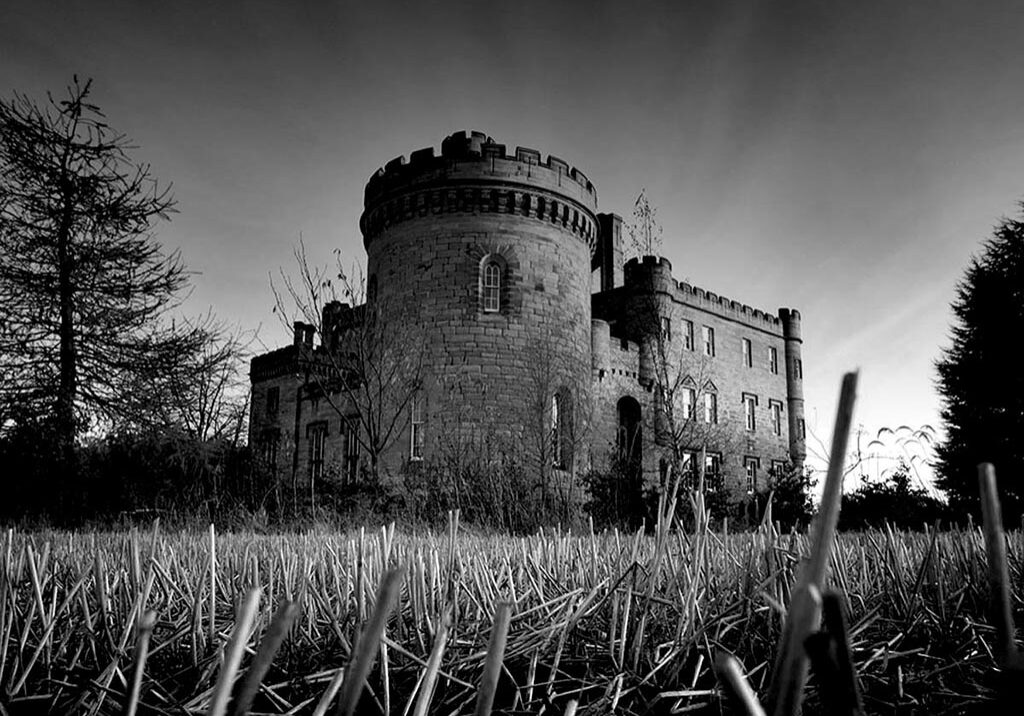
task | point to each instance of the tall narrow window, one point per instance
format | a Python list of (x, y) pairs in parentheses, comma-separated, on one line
[(689, 468), (750, 466), (748, 356), (558, 434), (273, 400), (416, 429), (709, 341), (316, 434), (710, 408), (776, 410), (688, 335), (749, 413), (268, 443), (492, 287), (666, 328), (773, 360), (712, 469), (689, 403), (801, 429), (351, 446)]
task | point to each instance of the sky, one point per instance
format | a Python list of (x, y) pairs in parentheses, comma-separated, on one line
[(845, 159)]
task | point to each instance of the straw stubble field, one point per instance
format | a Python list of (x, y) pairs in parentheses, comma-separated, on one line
[(613, 622)]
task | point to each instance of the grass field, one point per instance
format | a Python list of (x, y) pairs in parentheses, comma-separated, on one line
[(621, 622)]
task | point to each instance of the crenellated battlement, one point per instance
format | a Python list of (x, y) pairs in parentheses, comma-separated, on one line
[(474, 173), (656, 272)]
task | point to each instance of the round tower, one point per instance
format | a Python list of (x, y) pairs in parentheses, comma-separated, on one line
[(790, 318), (487, 253)]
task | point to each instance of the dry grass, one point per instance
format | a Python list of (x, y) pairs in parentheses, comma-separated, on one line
[(607, 619), (554, 623)]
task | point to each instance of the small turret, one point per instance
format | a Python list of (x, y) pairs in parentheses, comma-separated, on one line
[(652, 273), (790, 318)]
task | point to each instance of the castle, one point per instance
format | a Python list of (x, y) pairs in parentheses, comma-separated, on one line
[(510, 291)]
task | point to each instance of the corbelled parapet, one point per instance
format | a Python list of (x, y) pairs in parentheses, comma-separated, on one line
[(475, 174), (655, 273)]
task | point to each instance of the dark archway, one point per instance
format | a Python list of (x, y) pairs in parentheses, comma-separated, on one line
[(629, 435)]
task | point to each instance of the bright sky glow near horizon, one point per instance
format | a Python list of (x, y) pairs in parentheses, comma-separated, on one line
[(845, 159)]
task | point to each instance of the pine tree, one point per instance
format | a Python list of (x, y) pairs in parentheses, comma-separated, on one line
[(84, 288), (981, 378)]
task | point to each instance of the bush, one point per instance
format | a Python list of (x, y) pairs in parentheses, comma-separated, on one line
[(617, 496), (890, 501)]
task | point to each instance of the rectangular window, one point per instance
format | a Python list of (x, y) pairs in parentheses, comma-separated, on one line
[(710, 408), (750, 465), (798, 368), (689, 468), (268, 443), (773, 360), (712, 470), (709, 341), (666, 328), (688, 335), (351, 439), (273, 400), (776, 409), (416, 429), (749, 412), (748, 356), (689, 403), (316, 434), (778, 468), (556, 431), (801, 429)]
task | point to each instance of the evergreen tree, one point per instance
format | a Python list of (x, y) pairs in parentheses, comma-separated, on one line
[(981, 379), (84, 289)]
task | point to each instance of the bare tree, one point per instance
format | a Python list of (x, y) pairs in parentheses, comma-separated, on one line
[(644, 231), (206, 394), (555, 419), (84, 289), (687, 409), (370, 364)]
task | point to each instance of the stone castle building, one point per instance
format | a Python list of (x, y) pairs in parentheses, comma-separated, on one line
[(501, 277)]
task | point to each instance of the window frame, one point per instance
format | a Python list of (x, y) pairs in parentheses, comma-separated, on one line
[(747, 348), (750, 468), (689, 401), (773, 360), (416, 422), (688, 342), (749, 401), (775, 409), (316, 440), (712, 476), (490, 292), (708, 334), (350, 449), (710, 408)]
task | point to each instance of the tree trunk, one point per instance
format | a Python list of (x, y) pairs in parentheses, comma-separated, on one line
[(68, 373)]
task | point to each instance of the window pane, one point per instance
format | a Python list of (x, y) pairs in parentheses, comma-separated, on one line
[(492, 287)]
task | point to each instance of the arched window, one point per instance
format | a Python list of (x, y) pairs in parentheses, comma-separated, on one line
[(491, 287)]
